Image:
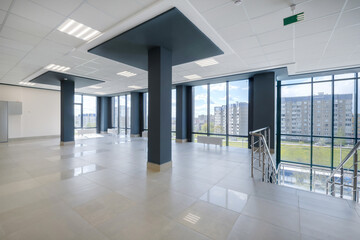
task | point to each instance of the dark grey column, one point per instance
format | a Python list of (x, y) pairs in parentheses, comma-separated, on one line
[(136, 114), (104, 114), (181, 114), (67, 111), (262, 103), (159, 135)]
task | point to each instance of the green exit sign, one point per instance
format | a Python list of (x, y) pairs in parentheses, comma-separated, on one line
[(293, 19)]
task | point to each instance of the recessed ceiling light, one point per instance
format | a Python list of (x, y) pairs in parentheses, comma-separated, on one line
[(100, 93), (126, 74), (57, 68), (95, 87), (192, 77), (78, 30), (134, 87), (206, 62), (27, 83)]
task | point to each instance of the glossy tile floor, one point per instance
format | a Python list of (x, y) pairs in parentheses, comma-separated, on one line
[(100, 189)]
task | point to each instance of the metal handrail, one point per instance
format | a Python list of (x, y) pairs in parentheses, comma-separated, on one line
[(331, 179), (344, 161), (263, 149)]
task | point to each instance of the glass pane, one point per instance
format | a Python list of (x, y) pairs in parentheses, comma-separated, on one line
[(344, 108), (77, 115), (295, 176), (344, 76), (173, 110), (341, 148), (322, 78), (296, 109), (240, 142), (200, 109), (115, 112), (322, 104), (89, 112), (322, 151), (128, 111), (292, 81), (238, 107), (218, 108), (77, 99), (146, 110), (295, 149), (122, 112)]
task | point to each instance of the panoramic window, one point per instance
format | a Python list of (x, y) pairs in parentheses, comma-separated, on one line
[(318, 119), (221, 110), (115, 112), (89, 111)]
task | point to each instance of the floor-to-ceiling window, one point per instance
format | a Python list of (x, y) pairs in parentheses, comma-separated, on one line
[(115, 112), (121, 113), (221, 109), (318, 119), (84, 111), (128, 113)]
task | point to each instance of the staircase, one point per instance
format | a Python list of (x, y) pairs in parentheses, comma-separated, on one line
[(342, 182)]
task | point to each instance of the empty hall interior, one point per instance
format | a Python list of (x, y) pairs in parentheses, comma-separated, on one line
[(179, 119)]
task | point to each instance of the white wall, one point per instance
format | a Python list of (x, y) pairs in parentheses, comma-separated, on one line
[(40, 111)]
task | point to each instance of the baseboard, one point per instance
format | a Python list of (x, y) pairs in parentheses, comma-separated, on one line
[(67, 143), (30, 138), (159, 167), (181, 140), (134, 135)]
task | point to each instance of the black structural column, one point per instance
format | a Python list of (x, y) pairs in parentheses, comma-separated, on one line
[(181, 114), (104, 114), (136, 114), (262, 103), (159, 134), (67, 112)]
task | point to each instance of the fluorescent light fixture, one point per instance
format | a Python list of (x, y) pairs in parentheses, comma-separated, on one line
[(206, 62), (58, 68), (27, 83), (100, 93), (126, 74), (78, 30), (95, 87), (134, 87), (192, 77)]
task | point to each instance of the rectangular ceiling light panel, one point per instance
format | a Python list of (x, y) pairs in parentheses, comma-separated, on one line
[(206, 62), (57, 68), (134, 87), (126, 74), (192, 77), (78, 30)]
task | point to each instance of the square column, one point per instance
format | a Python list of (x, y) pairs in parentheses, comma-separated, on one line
[(183, 113), (159, 134), (136, 114), (67, 112)]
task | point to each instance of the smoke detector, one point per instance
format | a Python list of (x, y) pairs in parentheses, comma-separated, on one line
[(237, 2)]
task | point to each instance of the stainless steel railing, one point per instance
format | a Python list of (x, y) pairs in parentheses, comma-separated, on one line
[(260, 153), (336, 178)]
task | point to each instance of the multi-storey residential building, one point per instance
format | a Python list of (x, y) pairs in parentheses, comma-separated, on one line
[(238, 119), (296, 115)]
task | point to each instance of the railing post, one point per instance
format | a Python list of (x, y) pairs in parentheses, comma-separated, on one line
[(341, 182), (252, 156), (259, 151), (327, 188), (333, 186), (269, 139), (355, 180), (263, 162)]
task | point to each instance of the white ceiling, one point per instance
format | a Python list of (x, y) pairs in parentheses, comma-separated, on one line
[(252, 36)]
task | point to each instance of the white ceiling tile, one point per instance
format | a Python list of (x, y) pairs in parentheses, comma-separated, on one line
[(262, 7), (117, 9), (19, 36), (8, 43), (225, 16), (244, 43), (63, 7), (279, 46), (12, 52), (205, 5), (36, 13), (351, 4), (281, 55), (269, 22), (90, 16), (24, 25), (237, 31), (2, 16), (349, 18), (319, 8), (282, 34), (64, 39), (315, 26), (5, 4)]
